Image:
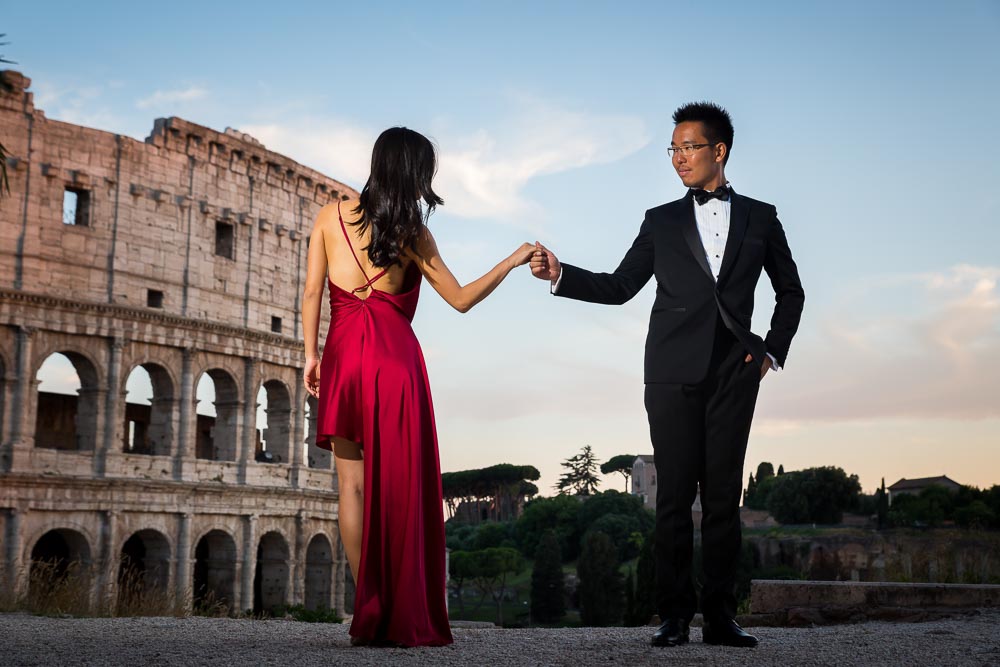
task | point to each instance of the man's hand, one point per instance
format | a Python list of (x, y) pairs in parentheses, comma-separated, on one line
[(764, 367), (545, 265)]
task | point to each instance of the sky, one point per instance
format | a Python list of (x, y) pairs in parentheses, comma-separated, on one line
[(871, 126)]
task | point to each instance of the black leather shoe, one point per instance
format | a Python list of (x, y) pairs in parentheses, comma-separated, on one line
[(673, 632), (727, 632)]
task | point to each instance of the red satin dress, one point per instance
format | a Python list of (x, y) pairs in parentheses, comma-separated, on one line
[(374, 391)]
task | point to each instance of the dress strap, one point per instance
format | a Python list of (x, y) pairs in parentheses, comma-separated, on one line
[(370, 281), (347, 237), (343, 228)]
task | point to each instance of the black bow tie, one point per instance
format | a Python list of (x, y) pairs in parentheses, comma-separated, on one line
[(702, 196)]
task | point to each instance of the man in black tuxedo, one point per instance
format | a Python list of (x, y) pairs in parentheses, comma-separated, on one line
[(703, 365)]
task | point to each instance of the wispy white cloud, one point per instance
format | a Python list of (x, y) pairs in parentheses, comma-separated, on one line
[(163, 98), (938, 358), (80, 105), (483, 172), (333, 146)]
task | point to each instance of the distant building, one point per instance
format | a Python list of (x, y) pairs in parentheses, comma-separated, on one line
[(644, 480), (756, 518), (181, 259), (915, 486), (509, 508), (644, 486)]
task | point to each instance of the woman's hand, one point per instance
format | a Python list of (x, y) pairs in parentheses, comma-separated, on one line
[(311, 376), (522, 255)]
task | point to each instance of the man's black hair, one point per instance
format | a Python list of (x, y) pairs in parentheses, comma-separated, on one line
[(716, 121)]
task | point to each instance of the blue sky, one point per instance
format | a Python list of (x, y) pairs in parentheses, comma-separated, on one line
[(871, 126)]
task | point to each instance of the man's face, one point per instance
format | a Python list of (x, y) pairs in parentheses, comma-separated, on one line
[(701, 166)]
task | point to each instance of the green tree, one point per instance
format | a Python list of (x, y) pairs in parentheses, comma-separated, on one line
[(459, 536), (976, 515), (781, 470), (882, 506), (601, 588), (813, 495), (991, 497), (611, 502), (548, 597), (558, 513), (497, 491), (931, 507), (749, 492), (621, 464), (461, 568), (580, 477), (490, 570), (643, 598), (759, 487), (761, 491), (494, 534), (621, 516)]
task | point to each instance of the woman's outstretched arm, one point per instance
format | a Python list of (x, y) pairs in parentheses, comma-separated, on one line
[(462, 297), (312, 297)]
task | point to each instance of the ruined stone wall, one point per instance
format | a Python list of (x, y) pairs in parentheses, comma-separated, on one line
[(900, 555), (143, 278), (154, 207)]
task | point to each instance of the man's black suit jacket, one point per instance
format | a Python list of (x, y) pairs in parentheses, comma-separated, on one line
[(689, 302)]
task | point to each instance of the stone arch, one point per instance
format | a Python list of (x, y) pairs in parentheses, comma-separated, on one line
[(217, 434), (319, 573), (149, 423), (64, 421), (143, 570), (316, 457), (61, 572), (214, 570), (270, 581), (278, 413)]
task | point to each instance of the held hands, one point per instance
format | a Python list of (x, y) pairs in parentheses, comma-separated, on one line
[(545, 265), (521, 255), (764, 367), (311, 376)]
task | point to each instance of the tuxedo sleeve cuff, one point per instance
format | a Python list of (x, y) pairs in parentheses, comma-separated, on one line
[(554, 288), (775, 366)]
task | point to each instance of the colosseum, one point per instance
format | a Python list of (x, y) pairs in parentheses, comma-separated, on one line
[(174, 264)]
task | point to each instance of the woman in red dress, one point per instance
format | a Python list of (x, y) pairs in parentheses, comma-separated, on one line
[(375, 411)]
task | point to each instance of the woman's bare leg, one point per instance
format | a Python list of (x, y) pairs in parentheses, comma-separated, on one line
[(351, 485)]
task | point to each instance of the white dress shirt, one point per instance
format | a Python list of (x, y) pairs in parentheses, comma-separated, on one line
[(712, 218)]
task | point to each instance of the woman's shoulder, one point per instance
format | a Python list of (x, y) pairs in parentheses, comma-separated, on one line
[(423, 245), (333, 212), (350, 210)]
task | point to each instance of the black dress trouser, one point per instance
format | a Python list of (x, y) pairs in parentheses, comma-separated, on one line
[(699, 434)]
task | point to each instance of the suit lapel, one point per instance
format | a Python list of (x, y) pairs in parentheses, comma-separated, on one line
[(689, 227), (739, 214)]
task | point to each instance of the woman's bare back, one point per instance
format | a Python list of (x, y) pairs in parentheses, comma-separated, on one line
[(342, 268)]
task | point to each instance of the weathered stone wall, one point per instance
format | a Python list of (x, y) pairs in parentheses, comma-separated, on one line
[(142, 283), (153, 212), (935, 556)]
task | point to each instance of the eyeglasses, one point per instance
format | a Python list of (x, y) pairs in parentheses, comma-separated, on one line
[(686, 150)]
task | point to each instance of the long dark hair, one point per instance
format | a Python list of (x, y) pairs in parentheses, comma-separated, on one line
[(403, 165)]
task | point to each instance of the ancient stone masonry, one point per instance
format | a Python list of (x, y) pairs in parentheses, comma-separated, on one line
[(181, 257)]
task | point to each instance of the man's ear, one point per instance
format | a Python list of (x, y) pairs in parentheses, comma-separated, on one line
[(721, 150)]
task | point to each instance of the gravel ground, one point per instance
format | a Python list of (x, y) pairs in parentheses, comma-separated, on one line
[(30, 640)]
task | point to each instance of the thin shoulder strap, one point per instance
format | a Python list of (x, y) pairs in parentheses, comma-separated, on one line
[(343, 228), (347, 237)]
